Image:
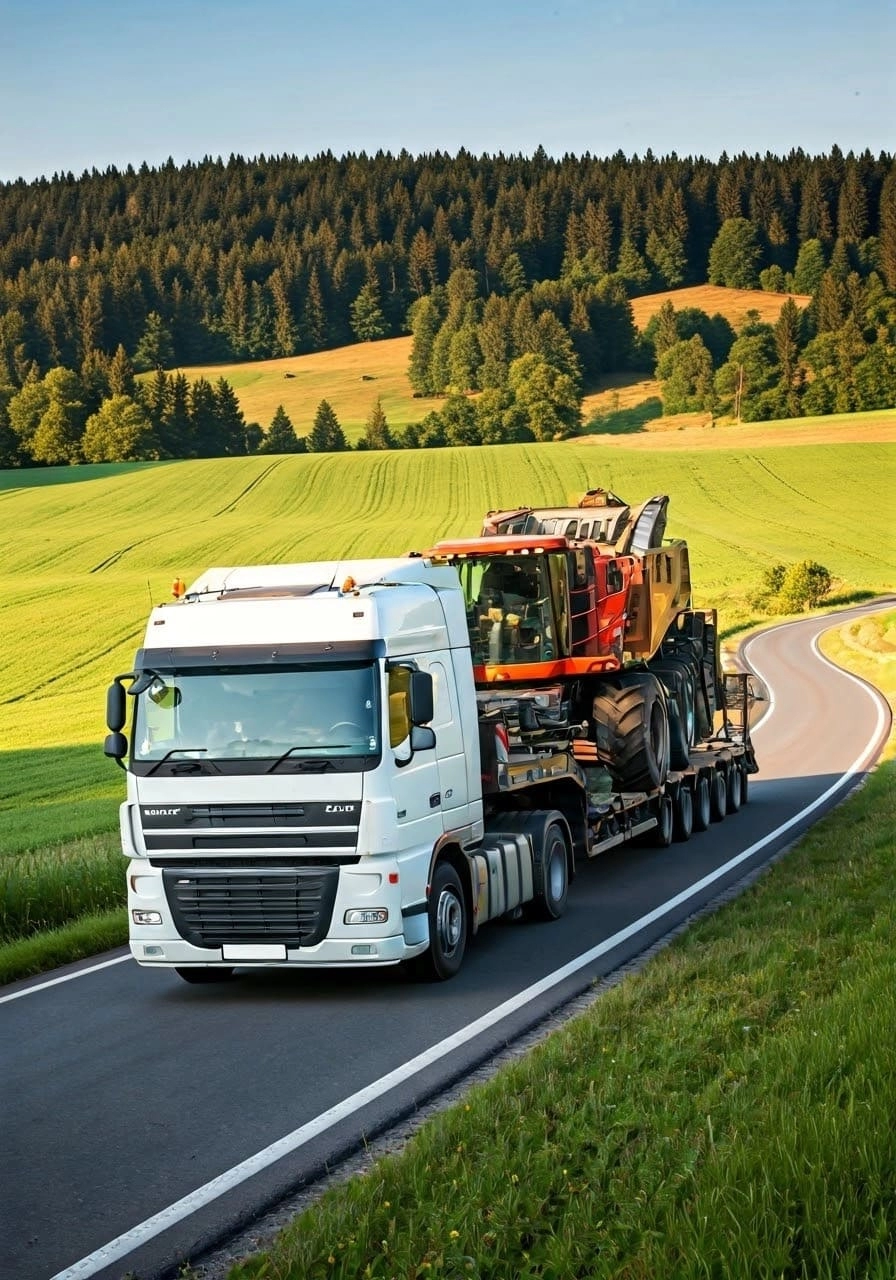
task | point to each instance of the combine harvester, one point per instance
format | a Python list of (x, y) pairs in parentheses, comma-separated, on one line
[(355, 763)]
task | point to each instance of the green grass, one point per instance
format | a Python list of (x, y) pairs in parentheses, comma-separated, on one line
[(727, 1112), (82, 561), (84, 551)]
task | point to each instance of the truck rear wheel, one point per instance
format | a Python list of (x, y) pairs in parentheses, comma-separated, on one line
[(718, 796), (684, 814), (734, 796), (665, 823), (447, 912), (702, 805), (550, 898), (632, 731)]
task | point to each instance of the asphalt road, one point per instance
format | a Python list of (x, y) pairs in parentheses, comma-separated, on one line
[(144, 1120)]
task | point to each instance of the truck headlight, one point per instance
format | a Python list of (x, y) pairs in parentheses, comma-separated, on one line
[(367, 915), (146, 917)]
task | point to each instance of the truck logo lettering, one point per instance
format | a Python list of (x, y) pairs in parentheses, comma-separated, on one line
[(161, 813), (339, 808)]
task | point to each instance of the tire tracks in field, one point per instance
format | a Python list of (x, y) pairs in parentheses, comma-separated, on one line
[(123, 551), (247, 489), (763, 466), (69, 671)]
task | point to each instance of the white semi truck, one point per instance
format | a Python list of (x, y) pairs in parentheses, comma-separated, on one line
[(330, 764)]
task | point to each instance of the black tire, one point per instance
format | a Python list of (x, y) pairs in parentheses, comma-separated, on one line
[(744, 786), (550, 897), (203, 977), (448, 929), (662, 834), (702, 803), (734, 785), (684, 814), (679, 754), (718, 796), (679, 677), (632, 731)]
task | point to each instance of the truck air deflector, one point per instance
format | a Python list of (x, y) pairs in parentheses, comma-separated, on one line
[(258, 655)]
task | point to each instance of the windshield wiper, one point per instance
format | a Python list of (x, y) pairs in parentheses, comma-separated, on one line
[(305, 764), (179, 751)]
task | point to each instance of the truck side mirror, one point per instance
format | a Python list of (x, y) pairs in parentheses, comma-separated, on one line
[(116, 710), (115, 746), (421, 707)]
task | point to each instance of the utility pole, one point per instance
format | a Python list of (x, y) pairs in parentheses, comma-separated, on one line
[(739, 393)]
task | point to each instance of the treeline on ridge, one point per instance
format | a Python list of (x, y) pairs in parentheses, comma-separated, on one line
[(514, 275)]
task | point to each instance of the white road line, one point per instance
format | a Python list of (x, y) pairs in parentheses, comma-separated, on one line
[(205, 1195), (66, 977)]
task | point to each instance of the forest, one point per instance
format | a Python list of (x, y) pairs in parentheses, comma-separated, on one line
[(514, 275)]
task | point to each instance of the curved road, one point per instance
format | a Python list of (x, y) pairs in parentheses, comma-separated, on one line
[(145, 1120)]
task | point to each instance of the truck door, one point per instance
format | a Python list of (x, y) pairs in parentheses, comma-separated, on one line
[(415, 785), (452, 760)]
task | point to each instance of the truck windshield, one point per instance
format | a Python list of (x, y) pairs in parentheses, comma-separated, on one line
[(261, 713)]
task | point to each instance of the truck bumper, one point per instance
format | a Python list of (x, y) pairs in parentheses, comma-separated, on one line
[(156, 941)]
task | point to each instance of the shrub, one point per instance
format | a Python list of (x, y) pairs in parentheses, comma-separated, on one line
[(805, 585)]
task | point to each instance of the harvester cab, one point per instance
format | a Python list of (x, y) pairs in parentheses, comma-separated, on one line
[(539, 608)]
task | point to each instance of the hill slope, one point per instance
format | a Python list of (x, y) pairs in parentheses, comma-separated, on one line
[(83, 558)]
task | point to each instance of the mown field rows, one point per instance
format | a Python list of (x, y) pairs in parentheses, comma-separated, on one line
[(83, 558)]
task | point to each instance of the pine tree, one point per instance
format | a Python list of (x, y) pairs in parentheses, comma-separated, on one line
[(231, 423), (177, 438), (376, 432), (326, 435), (425, 322), (788, 334), (285, 335), (204, 419), (665, 335), (155, 349), (281, 437), (121, 374), (368, 321), (734, 255), (315, 317)]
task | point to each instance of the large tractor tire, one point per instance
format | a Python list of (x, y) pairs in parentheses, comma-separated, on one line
[(631, 724), (679, 678)]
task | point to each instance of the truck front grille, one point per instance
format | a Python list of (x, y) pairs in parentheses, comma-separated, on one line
[(211, 908)]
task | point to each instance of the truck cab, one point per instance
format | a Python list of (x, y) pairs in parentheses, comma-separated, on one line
[(302, 740)]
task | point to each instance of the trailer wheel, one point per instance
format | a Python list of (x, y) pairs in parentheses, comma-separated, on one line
[(447, 927), (734, 797), (550, 899), (662, 835), (632, 731), (702, 803), (744, 786), (718, 796), (204, 976), (684, 814)]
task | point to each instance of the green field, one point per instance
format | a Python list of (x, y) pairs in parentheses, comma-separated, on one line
[(84, 551)]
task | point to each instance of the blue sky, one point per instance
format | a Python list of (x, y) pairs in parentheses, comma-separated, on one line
[(93, 83)]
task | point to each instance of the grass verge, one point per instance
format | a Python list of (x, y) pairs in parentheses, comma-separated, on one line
[(726, 1112)]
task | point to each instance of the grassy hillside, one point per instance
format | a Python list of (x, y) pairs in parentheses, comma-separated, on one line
[(351, 378), (82, 558)]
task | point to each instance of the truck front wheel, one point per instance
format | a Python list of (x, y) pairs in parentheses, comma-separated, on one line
[(447, 926)]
